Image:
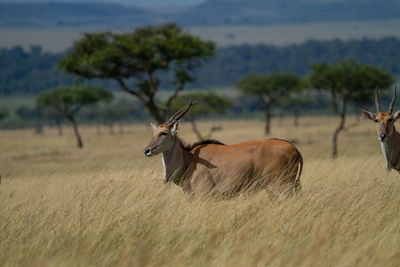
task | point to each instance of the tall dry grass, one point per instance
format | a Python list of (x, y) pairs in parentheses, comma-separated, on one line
[(106, 205)]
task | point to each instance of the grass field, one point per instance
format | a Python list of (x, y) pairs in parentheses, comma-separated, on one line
[(106, 204)]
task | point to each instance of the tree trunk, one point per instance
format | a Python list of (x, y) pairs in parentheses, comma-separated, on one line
[(280, 120), (59, 128), (358, 117), (98, 130), (196, 130), (154, 111), (296, 117), (78, 136), (38, 127), (121, 127), (338, 130), (267, 119), (147, 101), (212, 130), (111, 128)]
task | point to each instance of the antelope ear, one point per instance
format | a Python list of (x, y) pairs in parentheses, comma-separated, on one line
[(153, 126), (368, 114), (175, 128), (396, 115)]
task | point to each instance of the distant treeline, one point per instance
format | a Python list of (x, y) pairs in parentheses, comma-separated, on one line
[(30, 71), (236, 61), (34, 71)]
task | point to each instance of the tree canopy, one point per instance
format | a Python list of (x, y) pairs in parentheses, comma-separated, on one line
[(69, 100), (140, 55), (348, 82), (269, 89), (208, 104), (296, 103)]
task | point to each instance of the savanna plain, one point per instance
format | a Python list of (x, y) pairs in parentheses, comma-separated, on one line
[(106, 204)]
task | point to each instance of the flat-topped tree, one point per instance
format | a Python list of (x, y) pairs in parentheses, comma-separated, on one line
[(32, 116), (110, 114), (207, 104), (296, 103), (141, 55), (69, 100), (348, 82), (269, 89), (53, 115)]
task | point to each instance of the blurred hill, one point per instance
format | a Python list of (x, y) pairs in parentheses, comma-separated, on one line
[(209, 13), (139, 3), (72, 15), (260, 12)]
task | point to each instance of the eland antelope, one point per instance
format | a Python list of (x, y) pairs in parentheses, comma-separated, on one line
[(387, 134), (212, 167)]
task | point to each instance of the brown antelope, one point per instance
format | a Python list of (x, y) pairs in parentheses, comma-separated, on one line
[(211, 166), (387, 134)]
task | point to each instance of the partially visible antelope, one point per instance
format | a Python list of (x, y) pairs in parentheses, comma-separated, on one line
[(212, 167), (387, 134)]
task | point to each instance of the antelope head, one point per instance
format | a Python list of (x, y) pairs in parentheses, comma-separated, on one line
[(384, 121), (164, 135)]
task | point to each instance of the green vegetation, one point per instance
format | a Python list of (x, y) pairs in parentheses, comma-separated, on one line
[(31, 116), (348, 82), (236, 61), (269, 89), (141, 55), (113, 113), (208, 104), (3, 114), (26, 73), (30, 72), (296, 102), (67, 101)]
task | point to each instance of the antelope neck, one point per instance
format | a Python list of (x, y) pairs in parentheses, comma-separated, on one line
[(391, 140), (390, 148), (174, 161)]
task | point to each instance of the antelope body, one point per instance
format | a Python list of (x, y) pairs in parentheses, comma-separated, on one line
[(210, 166), (387, 134)]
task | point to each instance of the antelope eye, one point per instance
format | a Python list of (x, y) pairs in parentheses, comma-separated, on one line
[(390, 120), (164, 133), (375, 120)]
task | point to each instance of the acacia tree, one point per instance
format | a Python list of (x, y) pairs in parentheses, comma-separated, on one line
[(110, 114), (269, 89), (32, 116), (207, 104), (67, 101), (142, 55), (55, 116), (347, 82), (295, 103)]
